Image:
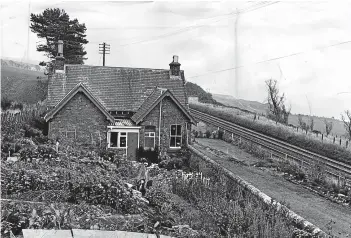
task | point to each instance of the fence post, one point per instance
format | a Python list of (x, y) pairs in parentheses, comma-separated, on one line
[(322, 136), (334, 140), (347, 143), (340, 140)]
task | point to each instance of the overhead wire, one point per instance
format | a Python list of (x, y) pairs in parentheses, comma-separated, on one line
[(271, 59), (232, 14)]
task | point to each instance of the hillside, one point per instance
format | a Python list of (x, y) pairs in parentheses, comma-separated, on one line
[(21, 65), (194, 90), (23, 83), (252, 106), (261, 108)]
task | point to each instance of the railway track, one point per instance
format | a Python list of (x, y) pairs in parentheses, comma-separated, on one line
[(306, 159)]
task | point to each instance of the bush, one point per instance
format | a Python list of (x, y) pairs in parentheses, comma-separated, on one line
[(330, 150), (151, 155), (172, 163), (220, 134), (208, 134), (5, 103)]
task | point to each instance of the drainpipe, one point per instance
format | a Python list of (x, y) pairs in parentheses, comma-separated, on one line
[(159, 127), (186, 132)]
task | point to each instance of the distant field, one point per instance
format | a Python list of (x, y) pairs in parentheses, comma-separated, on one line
[(260, 108), (23, 85), (252, 106)]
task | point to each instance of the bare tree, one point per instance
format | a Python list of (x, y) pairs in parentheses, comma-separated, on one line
[(302, 124), (276, 103), (311, 123), (347, 122), (328, 126)]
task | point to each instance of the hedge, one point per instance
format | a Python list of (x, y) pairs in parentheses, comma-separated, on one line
[(329, 150)]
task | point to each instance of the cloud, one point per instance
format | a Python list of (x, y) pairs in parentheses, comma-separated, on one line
[(148, 34)]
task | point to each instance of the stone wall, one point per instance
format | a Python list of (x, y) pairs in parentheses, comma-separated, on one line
[(80, 123), (209, 168), (171, 114)]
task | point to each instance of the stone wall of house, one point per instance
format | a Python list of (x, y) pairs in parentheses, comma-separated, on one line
[(171, 114), (79, 123)]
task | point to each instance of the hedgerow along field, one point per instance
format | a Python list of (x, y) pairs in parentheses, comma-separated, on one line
[(329, 150), (85, 189)]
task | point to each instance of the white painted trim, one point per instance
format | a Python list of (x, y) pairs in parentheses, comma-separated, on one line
[(119, 136), (150, 137), (124, 127), (170, 130)]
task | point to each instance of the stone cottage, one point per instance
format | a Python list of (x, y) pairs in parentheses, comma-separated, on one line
[(119, 108)]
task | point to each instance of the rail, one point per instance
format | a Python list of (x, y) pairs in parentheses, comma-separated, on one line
[(336, 169)]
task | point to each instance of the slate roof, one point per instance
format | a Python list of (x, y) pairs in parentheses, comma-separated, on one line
[(153, 100), (146, 106), (116, 88), (80, 87)]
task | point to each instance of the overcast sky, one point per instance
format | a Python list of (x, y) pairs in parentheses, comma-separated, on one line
[(202, 34)]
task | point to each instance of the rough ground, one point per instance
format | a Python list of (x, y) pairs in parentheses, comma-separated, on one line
[(307, 204)]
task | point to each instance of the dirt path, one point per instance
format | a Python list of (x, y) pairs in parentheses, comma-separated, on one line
[(307, 204)]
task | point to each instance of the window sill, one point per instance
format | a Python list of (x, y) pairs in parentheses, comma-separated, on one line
[(117, 147), (172, 149)]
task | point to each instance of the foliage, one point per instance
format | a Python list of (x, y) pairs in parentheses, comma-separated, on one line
[(330, 150), (55, 24), (194, 90), (150, 155), (5, 103), (220, 134), (235, 211), (303, 124), (276, 103), (347, 122), (328, 126)]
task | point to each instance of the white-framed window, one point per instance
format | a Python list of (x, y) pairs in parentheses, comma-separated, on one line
[(175, 136), (117, 139), (149, 140)]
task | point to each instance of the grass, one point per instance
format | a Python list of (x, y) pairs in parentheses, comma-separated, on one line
[(23, 85), (329, 150)]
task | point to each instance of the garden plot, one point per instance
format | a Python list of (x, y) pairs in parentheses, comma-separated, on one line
[(301, 200)]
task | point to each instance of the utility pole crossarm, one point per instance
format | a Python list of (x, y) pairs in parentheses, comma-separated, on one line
[(104, 49)]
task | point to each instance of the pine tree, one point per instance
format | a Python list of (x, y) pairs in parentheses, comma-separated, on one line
[(53, 25)]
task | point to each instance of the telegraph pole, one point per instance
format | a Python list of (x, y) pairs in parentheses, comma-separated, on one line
[(104, 49), (236, 84)]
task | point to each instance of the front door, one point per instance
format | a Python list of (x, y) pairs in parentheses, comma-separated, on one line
[(132, 143)]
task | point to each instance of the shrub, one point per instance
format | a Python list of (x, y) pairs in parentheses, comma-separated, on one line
[(172, 163), (208, 134), (151, 155), (220, 134), (5, 103)]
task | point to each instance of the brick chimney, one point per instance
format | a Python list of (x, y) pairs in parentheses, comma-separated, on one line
[(59, 60), (175, 66)]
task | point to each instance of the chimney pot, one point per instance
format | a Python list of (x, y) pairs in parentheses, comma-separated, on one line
[(175, 66), (175, 58), (60, 48), (59, 60)]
